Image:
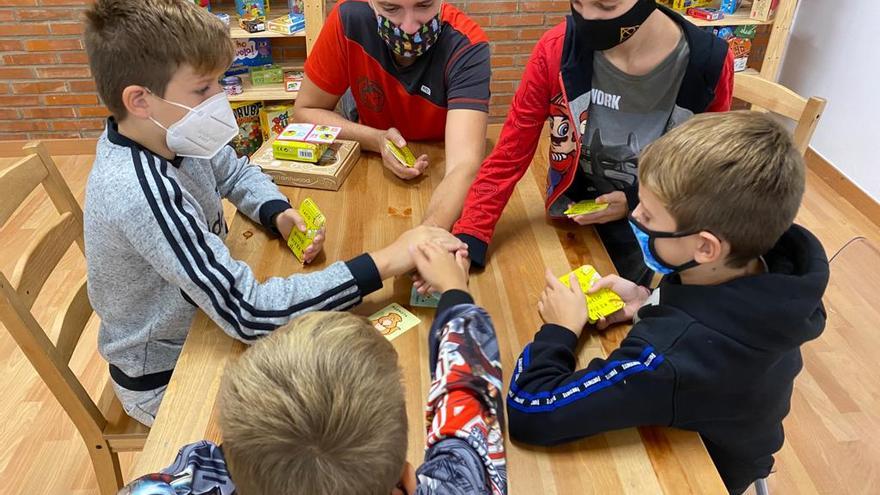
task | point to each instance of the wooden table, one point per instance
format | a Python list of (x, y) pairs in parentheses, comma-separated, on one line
[(368, 212)]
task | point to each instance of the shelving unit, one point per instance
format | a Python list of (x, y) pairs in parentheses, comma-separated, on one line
[(779, 33), (314, 12)]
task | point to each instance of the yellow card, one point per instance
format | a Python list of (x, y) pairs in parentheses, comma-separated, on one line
[(600, 304), (299, 241), (393, 320), (584, 207), (404, 155)]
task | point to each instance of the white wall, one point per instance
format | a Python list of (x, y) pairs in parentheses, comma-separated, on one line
[(834, 52)]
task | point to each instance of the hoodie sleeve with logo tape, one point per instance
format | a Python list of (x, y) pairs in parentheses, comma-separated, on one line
[(718, 360)]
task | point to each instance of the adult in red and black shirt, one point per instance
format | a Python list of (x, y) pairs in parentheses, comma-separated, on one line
[(441, 93)]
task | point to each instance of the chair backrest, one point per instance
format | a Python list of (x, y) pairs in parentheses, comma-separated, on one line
[(780, 100), (33, 268)]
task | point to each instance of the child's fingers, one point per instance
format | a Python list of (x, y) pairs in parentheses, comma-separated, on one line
[(299, 222), (552, 281), (574, 285), (606, 282)]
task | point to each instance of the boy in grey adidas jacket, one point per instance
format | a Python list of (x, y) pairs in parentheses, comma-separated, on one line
[(154, 225)]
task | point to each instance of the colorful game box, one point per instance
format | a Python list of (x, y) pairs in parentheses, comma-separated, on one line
[(314, 219), (287, 24), (252, 52), (274, 118), (255, 8), (705, 13), (265, 75), (250, 136), (600, 304), (763, 10), (328, 173)]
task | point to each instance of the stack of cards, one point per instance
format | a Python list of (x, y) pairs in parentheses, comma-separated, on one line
[(585, 207), (429, 301), (298, 240), (393, 320), (404, 155), (600, 304)]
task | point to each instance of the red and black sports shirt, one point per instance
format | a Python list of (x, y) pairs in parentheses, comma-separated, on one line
[(453, 74)]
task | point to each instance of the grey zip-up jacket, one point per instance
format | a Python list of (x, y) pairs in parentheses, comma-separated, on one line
[(154, 234)]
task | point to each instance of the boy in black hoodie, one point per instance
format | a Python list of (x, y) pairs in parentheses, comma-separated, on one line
[(716, 347)]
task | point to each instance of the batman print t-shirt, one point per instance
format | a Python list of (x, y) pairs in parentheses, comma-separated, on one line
[(626, 114)]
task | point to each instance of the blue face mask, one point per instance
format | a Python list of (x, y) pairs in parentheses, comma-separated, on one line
[(646, 240)]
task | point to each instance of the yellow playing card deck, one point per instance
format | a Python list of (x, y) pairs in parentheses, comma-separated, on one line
[(600, 304), (404, 155), (298, 240), (585, 207)]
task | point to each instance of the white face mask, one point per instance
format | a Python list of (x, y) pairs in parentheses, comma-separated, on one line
[(204, 130)]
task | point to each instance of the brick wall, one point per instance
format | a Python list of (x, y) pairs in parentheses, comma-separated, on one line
[(45, 87), (46, 90)]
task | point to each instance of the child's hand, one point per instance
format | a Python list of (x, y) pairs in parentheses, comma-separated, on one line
[(289, 219), (564, 306), (634, 296), (395, 259), (617, 209), (424, 288), (440, 269)]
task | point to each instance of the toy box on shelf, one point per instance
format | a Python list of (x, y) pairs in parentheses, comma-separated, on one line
[(250, 135), (684, 4), (274, 118)]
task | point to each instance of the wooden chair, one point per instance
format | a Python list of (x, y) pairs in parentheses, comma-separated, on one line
[(776, 98), (105, 427)]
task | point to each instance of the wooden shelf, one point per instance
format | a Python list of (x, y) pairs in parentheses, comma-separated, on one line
[(236, 32), (271, 92), (740, 18)]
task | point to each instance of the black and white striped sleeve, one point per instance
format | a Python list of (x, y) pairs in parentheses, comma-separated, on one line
[(164, 228)]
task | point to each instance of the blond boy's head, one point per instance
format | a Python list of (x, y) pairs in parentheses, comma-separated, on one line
[(315, 408), (145, 42), (737, 175)]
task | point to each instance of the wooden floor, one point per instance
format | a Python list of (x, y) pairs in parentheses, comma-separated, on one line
[(832, 434)]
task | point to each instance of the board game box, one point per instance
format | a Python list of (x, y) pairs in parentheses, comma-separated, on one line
[(328, 174)]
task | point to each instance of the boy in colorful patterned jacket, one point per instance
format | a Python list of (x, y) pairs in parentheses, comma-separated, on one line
[(318, 408)]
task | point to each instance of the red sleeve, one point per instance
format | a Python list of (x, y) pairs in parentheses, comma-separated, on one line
[(724, 90), (511, 157), (324, 65)]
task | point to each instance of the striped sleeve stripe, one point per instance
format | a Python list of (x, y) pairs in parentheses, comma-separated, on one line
[(312, 304), (224, 291), (584, 386), (151, 200), (282, 313)]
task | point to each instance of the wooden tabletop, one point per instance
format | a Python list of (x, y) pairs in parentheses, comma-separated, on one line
[(370, 210)]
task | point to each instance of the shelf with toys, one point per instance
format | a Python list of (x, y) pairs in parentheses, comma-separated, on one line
[(756, 30)]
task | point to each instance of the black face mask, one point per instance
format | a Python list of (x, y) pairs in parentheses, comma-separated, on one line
[(608, 33)]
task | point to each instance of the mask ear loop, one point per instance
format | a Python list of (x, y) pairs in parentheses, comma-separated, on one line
[(653, 235)]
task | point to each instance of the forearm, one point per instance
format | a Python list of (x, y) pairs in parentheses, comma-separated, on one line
[(447, 200), (366, 135)]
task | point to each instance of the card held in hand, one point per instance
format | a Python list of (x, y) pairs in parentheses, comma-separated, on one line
[(298, 241), (600, 304)]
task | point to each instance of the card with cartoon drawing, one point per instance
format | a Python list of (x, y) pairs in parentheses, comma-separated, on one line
[(393, 320)]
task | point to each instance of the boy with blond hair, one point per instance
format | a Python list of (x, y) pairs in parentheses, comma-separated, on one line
[(716, 347), (154, 226), (317, 408)]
